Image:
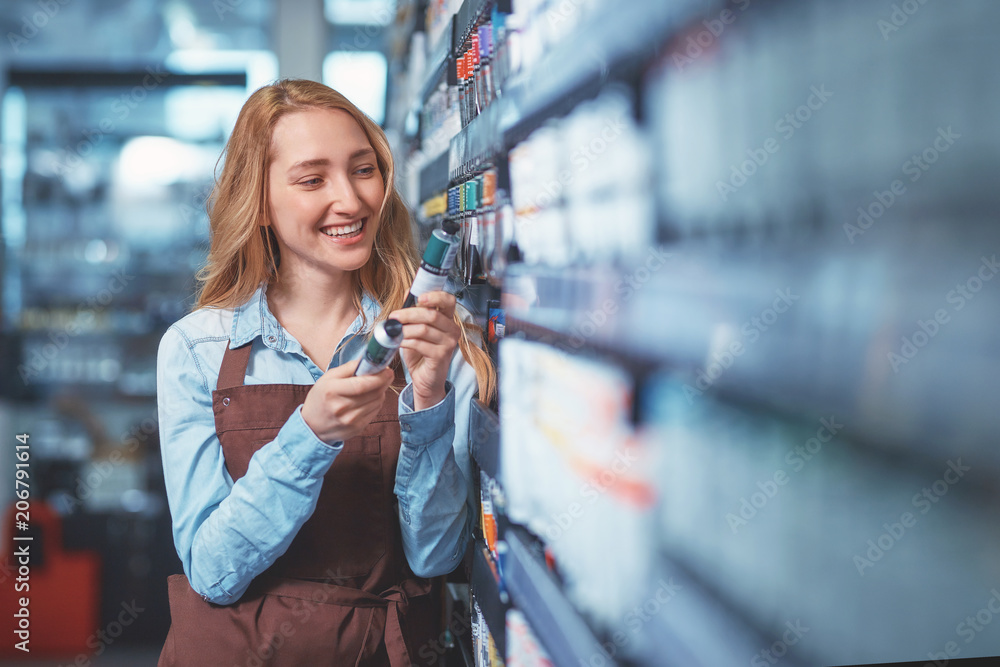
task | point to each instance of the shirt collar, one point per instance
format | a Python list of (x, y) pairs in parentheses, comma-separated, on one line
[(254, 318)]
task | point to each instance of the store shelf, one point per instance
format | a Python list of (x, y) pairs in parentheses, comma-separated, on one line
[(565, 635), (469, 13), (638, 366), (486, 589), (484, 438), (478, 144), (434, 177), (804, 361), (23, 77), (463, 650), (690, 619), (614, 44), (475, 298), (440, 64)]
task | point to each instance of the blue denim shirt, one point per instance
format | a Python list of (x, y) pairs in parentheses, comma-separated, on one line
[(225, 532)]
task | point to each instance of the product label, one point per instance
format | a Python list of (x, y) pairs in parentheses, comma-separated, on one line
[(426, 281), (376, 358), (473, 231), (367, 368), (449, 257)]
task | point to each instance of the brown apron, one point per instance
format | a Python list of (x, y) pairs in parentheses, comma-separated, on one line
[(343, 593)]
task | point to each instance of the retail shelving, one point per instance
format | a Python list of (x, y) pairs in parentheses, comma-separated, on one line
[(440, 64), (767, 320), (479, 143), (124, 78), (484, 438), (471, 11), (534, 590), (434, 177), (486, 588)]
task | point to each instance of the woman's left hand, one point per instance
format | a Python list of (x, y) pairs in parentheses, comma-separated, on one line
[(430, 335)]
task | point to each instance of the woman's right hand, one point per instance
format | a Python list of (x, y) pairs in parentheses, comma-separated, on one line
[(340, 405)]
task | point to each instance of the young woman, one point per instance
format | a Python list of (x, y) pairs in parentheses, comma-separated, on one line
[(311, 508)]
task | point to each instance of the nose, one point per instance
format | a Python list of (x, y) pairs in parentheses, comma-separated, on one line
[(344, 199)]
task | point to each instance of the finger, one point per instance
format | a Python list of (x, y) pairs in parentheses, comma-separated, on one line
[(427, 316), (358, 386), (344, 370), (429, 350), (440, 300), (429, 333), (414, 315)]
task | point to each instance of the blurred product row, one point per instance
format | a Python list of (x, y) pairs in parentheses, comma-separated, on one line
[(734, 262)]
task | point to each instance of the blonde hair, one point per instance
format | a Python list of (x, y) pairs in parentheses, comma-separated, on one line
[(244, 253)]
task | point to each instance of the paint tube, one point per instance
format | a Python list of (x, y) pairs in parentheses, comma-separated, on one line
[(381, 347), (439, 257)]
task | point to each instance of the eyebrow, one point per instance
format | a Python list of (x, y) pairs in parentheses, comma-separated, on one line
[(324, 162)]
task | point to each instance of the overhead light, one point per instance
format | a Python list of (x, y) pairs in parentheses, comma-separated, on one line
[(361, 77), (360, 12)]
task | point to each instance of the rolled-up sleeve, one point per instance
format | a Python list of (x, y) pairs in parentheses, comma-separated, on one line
[(226, 532), (433, 477)]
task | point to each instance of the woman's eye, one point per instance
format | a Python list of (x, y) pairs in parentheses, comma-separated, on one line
[(311, 181), (366, 171)]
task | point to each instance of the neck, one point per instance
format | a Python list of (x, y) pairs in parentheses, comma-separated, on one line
[(318, 297)]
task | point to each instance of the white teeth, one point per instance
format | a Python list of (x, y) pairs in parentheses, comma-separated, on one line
[(343, 231)]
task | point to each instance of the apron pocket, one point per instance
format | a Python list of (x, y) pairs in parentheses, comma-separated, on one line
[(261, 630)]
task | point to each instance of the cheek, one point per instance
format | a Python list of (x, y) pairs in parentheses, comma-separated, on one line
[(375, 192)]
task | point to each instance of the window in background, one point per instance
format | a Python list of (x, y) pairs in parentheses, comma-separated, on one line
[(360, 12), (361, 76)]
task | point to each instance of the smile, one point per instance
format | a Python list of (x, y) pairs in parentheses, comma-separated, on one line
[(345, 231)]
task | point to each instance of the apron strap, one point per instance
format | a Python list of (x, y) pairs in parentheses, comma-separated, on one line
[(234, 366)]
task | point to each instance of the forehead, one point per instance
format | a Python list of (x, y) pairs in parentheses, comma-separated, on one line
[(320, 133)]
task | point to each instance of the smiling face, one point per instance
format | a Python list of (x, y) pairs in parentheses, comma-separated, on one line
[(325, 192)]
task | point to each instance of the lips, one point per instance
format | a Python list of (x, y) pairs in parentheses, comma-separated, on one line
[(346, 231)]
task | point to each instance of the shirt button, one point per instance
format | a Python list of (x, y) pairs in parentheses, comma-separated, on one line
[(271, 339), (406, 427), (225, 401)]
